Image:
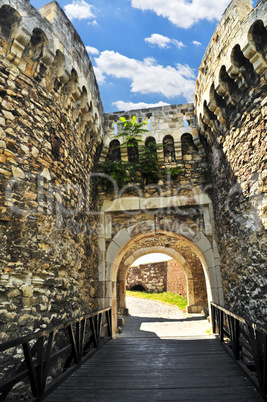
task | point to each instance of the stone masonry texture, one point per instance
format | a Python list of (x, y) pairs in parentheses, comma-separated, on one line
[(152, 277), (66, 243), (158, 277), (176, 279), (231, 107), (50, 127)]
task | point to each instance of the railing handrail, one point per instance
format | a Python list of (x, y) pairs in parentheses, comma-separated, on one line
[(83, 336), (259, 327), (26, 338), (246, 341)]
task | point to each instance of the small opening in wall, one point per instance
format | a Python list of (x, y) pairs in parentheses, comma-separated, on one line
[(227, 82), (55, 143), (186, 124), (151, 143), (132, 151), (115, 128), (243, 64), (57, 84), (38, 40), (138, 288), (168, 149), (188, 146), (114, 152), (9, 20), (258, 35)]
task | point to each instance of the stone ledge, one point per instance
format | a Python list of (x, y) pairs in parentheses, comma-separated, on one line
[(140, 203)]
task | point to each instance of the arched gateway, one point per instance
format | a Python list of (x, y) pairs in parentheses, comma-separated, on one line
[(193, 250), (174, 215)]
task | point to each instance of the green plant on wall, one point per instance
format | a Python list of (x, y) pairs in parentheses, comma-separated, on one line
[(146, 169), (121, 172), (149, 164), (131, 131), (174, 172)]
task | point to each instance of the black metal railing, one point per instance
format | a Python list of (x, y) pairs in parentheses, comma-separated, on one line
[(40, 362), (245, 341)]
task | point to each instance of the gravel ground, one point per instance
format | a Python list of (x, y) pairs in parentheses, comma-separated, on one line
[(152, 308), (150, 318)]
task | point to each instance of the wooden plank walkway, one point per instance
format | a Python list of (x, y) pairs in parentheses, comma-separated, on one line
[(140, 366)]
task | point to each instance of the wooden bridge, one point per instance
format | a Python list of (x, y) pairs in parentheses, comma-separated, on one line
[(140, 365)]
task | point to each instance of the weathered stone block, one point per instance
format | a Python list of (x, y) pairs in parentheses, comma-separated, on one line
[(13, 293), (18, 173), (8, 115), (27, 291)]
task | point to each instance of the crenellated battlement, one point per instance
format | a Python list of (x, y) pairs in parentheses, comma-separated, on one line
[(230, 103), (234, 60), (46, 47)]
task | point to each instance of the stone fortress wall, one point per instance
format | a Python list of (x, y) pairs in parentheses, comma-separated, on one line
[(162, 121), (176, 279), (230, 103), (51, 122), (165, 214), (151, 277), (231, 106), (174, 130), (58, 259), (164, 276)]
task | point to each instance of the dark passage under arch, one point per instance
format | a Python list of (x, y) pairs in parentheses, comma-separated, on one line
[(138, 288)]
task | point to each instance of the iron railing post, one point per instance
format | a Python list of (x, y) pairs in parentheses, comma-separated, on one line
[(236, 345), (221, 325)]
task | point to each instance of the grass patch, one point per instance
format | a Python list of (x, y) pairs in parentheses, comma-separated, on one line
[(165, 297)]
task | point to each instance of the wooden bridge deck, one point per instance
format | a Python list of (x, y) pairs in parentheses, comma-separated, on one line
[(141, 366)]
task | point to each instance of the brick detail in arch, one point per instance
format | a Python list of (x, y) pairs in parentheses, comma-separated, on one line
[(158, 277), (176, 279)]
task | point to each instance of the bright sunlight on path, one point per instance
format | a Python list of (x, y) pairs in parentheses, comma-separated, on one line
[(161, 355), (170, 320)]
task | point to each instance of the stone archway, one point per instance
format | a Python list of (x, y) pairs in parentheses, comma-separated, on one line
[(128, 244), (196, 283)]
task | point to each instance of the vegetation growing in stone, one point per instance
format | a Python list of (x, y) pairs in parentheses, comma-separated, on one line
[(174, 172), (143, 167), (122, 172), (131, 131), (149, 165)]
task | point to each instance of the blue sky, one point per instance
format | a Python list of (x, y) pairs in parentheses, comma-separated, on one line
[(145, 52)]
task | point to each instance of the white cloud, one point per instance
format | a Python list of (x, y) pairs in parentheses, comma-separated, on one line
[(121, 105), (177, 43), (94, 23), (195, 42), (79, 9), (163, 41), (92, 50), (183, 13), (147, 76)]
